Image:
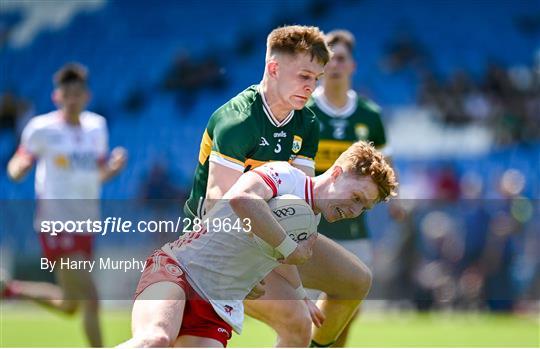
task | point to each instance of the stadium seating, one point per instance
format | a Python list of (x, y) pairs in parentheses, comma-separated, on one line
[(129, 45)]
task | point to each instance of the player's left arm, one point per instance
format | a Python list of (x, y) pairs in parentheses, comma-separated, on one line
[(248, 198), (109, 168)]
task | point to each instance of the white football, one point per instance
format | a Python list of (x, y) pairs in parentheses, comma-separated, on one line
[(296, 218), (294, 215)]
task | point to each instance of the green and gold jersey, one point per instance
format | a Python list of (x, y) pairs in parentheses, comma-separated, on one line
[(243, 134), (359, 119)]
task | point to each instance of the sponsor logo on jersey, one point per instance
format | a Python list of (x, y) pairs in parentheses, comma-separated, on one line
[(222, 330), (361, 131), (281, 134), (275, 175), (297, 144), (61, 161), (228, 310), (285, 212), (264, 142)]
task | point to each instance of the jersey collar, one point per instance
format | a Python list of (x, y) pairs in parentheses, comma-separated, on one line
[(271, 116), (327, 108), (308, 192)]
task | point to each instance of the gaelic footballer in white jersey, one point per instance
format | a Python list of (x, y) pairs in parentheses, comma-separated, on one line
[(68, 159), (224, 265), (191, 291)]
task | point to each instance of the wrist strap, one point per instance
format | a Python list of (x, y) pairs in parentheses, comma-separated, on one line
[(287, 246), (300, 293)]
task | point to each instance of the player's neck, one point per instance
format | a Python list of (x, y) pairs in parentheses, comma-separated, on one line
[(318, 188), (336, 93), (279, 110), (71, 118)]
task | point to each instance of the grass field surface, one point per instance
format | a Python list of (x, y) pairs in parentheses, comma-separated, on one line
[(25, 325)]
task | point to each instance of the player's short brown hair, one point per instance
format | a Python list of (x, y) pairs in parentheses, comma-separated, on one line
[(297, 39), (341, 36), (71, 73), (363, 159)]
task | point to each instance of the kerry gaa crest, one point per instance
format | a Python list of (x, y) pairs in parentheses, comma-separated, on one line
[(297, 144)]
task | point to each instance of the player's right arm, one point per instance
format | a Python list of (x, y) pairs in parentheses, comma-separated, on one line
[(248, 198), (32, 144), (220, 179), (19, 165), (230, 144)]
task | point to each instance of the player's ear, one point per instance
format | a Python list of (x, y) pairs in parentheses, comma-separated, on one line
[(336, 172), (56, 96), (88, 96), (272, 67)]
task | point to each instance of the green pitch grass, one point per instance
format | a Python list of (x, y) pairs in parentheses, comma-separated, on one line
[(25, 325)]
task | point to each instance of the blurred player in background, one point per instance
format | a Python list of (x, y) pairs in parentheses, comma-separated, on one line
[(70, 146), (345, 118), (268, 122), (191, 291)]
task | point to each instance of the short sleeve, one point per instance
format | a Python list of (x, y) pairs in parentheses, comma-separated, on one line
[(279, 176), (231, 143), (378, 136), (32, 139), (102, 143)]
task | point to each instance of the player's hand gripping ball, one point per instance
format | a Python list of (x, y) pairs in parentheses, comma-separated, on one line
[(295, 216)]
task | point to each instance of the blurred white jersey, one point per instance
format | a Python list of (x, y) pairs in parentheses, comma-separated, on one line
[(68, 159), (223, 265)]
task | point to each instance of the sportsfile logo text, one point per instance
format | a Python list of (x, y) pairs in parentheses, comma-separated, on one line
[(109, 225), (121, 225)]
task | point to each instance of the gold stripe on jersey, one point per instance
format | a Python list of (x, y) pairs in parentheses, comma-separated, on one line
[(252, 163), (329, 151), (205, 147), (228, 158)]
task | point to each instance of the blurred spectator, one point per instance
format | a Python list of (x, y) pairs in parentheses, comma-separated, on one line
[(188, 78), (507, 101), (162, 198), (403, 51), (135, 100), (12, 110), (158, 185), (446, 184)]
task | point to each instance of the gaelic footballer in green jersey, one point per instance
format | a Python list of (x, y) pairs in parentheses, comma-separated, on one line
[(243, 134), (359, 119)]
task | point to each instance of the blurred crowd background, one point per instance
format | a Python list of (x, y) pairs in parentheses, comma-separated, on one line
[(458, 82)]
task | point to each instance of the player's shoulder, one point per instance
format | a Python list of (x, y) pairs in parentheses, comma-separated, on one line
[(44, 121), (282, 167), (237, 114), (308, 115), (93, 120), (366, 104), (239, 107)]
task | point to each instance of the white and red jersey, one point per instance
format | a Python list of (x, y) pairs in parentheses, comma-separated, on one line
[(68, 158), (224, 265)]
